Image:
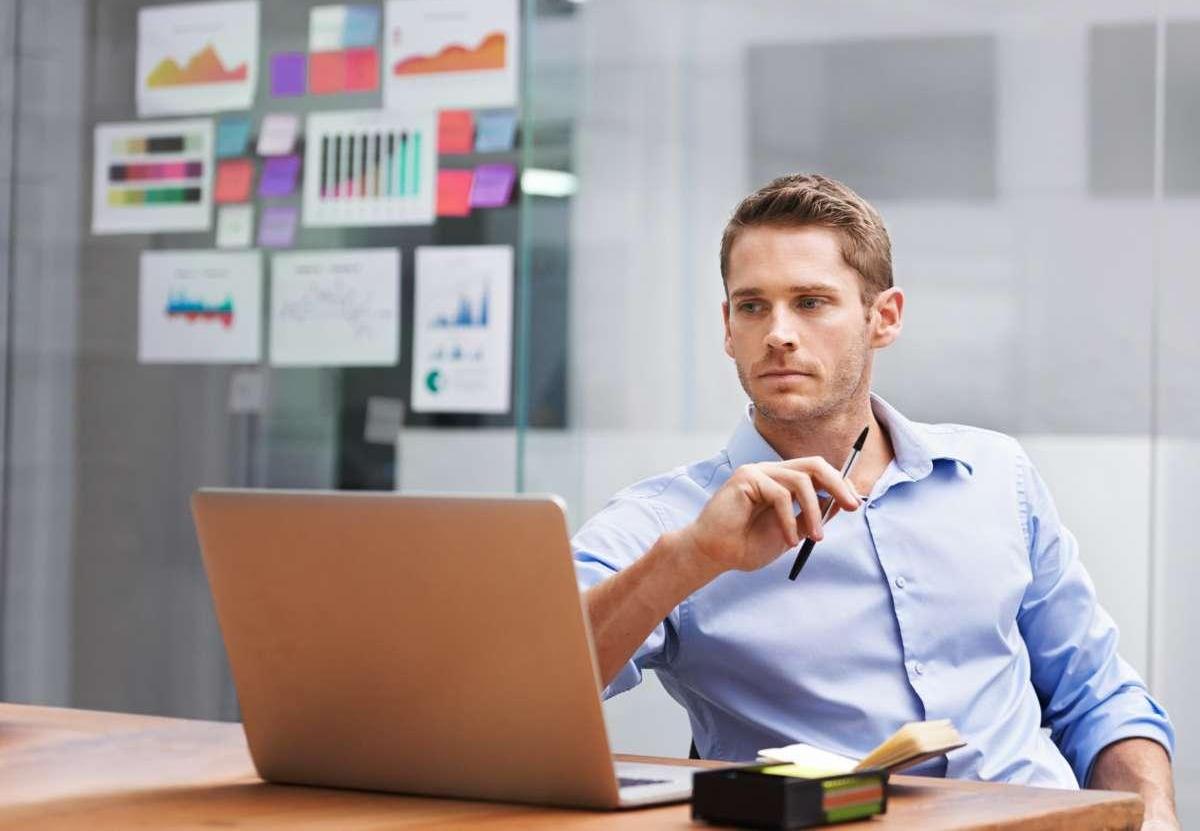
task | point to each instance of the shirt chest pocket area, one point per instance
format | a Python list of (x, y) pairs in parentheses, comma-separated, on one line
[(972, 582)]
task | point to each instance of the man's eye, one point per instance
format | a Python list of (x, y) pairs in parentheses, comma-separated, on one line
[(750, 307), (811, 302)]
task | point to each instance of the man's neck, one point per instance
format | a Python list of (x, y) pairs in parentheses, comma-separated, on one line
[(832, 437)]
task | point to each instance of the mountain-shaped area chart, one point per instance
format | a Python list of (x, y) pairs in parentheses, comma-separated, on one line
[(205, 67), (489, 54)]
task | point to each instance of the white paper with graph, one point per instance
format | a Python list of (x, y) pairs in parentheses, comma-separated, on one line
[(462, 343), (370, 167), (335, 308), (200, 307)]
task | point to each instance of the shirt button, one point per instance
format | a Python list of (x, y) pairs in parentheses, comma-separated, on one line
[(919, 668), (900, 582)]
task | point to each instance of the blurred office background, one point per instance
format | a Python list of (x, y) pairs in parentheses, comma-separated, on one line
[(1038, 166)]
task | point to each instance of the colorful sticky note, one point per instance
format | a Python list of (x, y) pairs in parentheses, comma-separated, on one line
[(326, 73), (278, 226), (234, 178), (235, 226), (233, 131), (362, 70), (361, 26), (495, 131), (279, 176), (289, 74), (277, 134), (493, 185), (456, 129), (454, 192)]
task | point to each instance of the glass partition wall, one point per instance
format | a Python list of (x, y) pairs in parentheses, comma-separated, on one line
[(1035, 166)]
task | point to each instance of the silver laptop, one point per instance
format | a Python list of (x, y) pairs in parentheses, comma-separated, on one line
[(419, 644)]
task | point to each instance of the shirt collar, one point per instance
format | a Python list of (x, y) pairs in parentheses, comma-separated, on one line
[(915, 446)]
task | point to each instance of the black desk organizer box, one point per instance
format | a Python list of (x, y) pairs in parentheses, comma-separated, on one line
[(746, 797)]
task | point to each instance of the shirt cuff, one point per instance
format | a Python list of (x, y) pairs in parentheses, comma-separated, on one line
[(1150, 722)]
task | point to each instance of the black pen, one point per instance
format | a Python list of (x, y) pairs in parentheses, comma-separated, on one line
[(806, 549)]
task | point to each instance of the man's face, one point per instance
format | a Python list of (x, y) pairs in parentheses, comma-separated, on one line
[(795, 323)]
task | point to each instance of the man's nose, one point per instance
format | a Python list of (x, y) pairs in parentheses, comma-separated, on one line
[(782, 335)]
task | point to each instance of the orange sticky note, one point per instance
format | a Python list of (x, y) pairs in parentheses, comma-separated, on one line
[(326, 73), (234, 178), (456, 131), (454, 192), (362, 70)]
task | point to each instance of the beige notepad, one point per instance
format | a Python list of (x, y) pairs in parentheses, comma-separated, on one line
[(912, 744)]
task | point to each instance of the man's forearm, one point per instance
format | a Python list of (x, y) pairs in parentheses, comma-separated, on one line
[(1141, 766), (624, 609)]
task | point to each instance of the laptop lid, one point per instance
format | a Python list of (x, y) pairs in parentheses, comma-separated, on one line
[(419, 644)]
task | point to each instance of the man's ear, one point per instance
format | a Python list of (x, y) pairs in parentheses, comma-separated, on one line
[(728, 336), (886, 318)]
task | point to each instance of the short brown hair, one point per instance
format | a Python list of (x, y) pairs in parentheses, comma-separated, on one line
[(812, 199)]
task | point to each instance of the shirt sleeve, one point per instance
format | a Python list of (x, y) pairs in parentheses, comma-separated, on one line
[(1090, 696), (611, 540)]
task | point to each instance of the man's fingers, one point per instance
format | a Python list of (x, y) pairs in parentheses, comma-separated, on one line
[(780, 500), (802, 490), (826, 477)]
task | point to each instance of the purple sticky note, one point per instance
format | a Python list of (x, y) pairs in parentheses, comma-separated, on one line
[(277, 228), (279, 176), (289, 71), (493, 185)]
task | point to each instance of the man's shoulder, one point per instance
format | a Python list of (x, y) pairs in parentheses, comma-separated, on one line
[(968, 441), (669, 497)]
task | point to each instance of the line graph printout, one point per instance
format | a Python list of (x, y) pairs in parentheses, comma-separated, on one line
[(335, 308), (462, 343), (197, 57), (447, 54), (370, 167), (200, 307)]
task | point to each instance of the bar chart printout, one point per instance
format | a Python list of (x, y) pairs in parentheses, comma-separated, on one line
[(153, 176), (462, 341), (370, 168)]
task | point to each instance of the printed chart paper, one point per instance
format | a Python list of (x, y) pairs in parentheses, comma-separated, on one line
[(370, 167), (462, 345), (153, 176), (442, 54), (336, 308), (200, 307), (197, 57)]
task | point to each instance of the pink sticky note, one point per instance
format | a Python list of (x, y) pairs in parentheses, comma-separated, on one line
[(454, 192), (456, 131), (362, 69), (493, 186), (326, 73), (234, 177)]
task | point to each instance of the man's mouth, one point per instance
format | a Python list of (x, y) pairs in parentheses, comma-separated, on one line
[(783, 373)]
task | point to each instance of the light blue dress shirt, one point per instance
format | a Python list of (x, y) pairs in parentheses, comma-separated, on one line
[(954, 592)]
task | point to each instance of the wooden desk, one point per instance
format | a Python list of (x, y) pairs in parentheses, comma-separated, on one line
[(87, 770)]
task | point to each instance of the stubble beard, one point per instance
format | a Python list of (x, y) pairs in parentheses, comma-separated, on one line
[(842, 388)]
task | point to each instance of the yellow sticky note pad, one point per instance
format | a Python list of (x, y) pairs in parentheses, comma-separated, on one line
[(801, 771)]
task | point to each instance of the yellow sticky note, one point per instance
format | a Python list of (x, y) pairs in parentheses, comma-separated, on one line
[(801, 771)]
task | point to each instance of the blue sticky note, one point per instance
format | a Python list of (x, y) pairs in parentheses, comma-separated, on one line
[(495, 130), (233, 131), (362, 26)]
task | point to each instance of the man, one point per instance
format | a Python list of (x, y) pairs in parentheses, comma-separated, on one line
[(946, 588)]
